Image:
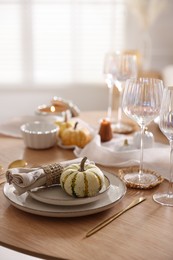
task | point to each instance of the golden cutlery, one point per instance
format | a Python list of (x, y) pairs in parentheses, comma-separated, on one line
[(17, 164), (116, 215), (1, 170), (2, 181)]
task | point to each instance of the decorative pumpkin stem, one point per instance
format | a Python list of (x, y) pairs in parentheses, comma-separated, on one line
[(75, 126), (82, 164)]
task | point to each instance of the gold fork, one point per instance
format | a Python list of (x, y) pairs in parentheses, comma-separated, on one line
[(116, 215)]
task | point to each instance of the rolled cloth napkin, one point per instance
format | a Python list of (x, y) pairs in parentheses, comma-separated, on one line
[(24, 179)]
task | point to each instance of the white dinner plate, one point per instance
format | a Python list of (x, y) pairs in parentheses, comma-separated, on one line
[(55, 195), (26, 203)]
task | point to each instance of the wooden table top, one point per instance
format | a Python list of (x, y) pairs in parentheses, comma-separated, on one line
[(144, 232)]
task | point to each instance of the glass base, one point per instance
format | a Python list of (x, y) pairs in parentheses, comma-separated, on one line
[(164, 199), (133, 179), (140, 179), (121, 128)]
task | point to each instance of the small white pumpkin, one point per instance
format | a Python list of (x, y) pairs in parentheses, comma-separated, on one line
[(82, 180)]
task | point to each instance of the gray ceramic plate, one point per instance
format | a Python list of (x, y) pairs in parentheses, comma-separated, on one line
[(26, 203)]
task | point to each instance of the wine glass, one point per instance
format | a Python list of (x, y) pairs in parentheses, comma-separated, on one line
[(109, 79), (124, 67), (141, 102), (166, 126)]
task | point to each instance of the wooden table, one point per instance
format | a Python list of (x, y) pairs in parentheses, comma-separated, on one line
[(144, 232)]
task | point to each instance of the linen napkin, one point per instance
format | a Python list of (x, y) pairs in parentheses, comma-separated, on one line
[(111, 154), (24, 179)]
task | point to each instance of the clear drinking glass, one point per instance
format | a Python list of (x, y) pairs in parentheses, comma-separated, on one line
[(118, 67), (109, 79), (166, 126), (124, 67), (141, 102)]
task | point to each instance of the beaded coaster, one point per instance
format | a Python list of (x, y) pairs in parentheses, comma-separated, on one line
[(130, 176)]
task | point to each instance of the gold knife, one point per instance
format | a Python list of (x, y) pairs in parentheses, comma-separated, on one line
[(110, 219)]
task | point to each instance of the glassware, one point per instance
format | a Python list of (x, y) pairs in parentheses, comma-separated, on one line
[(141, 102), (166, 126), (109, 79), (124, 66)]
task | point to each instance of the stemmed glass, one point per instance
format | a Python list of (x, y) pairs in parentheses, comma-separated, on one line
[(166, 126), (125, 68), (118, 67), (108, 71), (141, 102)]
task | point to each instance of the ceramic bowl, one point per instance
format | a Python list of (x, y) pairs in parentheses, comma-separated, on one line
[(39, 135)]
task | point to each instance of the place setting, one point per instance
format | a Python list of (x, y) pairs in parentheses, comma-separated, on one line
[(42, 191)]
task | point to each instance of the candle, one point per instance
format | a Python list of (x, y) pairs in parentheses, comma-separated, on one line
[(53, 109), (105, 131)]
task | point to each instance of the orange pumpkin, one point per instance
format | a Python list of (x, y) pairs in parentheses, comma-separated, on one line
[(76, 136)]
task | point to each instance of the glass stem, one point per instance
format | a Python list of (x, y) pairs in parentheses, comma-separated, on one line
[(170, 189), (119, 117), (141, 151), (109, 112)]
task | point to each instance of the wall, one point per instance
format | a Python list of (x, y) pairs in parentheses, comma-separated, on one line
[(25, 102)]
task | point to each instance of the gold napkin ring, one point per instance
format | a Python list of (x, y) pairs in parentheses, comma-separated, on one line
[(53, 173)]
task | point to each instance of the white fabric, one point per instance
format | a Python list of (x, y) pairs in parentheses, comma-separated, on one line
[(109, 154)]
